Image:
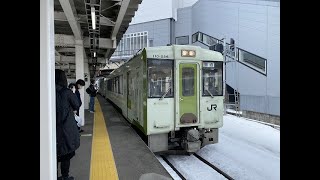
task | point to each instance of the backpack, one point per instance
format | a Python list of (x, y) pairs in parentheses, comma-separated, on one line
[(88, 90)]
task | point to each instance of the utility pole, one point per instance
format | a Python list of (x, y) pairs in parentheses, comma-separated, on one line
[(224, 73), (233, 57)]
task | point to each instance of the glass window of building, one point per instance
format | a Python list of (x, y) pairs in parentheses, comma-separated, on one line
[(254, 61), (182, 40), (131, 43)]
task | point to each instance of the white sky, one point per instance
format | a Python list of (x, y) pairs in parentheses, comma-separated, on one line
[(246, 150)]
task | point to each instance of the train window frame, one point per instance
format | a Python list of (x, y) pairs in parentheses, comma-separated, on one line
[(202, 80), (172, 78)]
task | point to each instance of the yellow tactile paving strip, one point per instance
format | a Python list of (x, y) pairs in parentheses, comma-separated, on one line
[(103, 166)]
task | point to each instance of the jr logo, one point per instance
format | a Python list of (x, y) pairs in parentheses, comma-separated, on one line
[(214, 107)]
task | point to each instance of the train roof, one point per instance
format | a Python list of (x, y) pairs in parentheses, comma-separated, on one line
[(174, 52)]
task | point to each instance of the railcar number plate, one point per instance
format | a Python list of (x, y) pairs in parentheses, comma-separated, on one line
[(160, 56)]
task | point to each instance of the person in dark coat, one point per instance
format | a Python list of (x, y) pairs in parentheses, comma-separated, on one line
[(93, 92), (73, 88), (79, 84), (68, 137)]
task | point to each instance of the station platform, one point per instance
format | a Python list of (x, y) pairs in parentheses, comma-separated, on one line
[(111, 149)]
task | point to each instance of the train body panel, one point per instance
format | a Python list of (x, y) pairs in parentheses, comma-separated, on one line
[(160, 115), (173, 93), (211, 112)]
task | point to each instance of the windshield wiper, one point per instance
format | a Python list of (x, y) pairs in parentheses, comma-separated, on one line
[(165, 93), (209, 93)]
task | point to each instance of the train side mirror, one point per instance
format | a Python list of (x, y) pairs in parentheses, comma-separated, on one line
[(219, 48), (232, 44)]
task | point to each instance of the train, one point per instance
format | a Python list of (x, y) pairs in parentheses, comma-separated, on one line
[(173, 94)]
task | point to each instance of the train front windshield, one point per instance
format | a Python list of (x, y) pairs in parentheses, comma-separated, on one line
[(160, 78), (212, 79)]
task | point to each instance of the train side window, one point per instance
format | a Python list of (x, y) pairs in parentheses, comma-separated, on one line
[(121, 85), (160, 78), (212, 79), (109, 84)]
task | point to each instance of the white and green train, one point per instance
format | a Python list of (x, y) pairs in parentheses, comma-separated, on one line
[(173, 94)]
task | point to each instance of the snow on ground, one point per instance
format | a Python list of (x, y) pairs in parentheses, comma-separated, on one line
[(246, 150), (193, 169), (233, 111), (173, 174), (256, 134)]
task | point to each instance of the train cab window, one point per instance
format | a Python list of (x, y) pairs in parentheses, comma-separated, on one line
[(212, 84), (160, 78), (187, 81)]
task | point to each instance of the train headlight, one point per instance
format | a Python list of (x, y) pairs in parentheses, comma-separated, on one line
[(184, 53), (188, 53), (192, 53)]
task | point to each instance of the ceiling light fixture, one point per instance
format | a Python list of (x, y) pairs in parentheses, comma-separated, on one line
[(93, 17)]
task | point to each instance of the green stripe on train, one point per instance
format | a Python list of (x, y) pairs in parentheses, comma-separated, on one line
[(145, 90)]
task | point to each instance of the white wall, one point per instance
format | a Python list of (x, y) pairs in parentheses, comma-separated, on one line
[(255, 27), (183, 27), (48, 162), (86, 95), (176, 4), (273, 51), (151, 10), (158, 31)]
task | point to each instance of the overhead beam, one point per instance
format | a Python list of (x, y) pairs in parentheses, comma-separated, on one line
[(82, 18), (127, 18), (71, 59), (121, 14), (115, 30), (60, 16), (65, 49), (62, 40), (71, 14), (66, 66), (126, 12), (107, 54), (104, 43), (104, 21), (57, 53), (65, 59), (133, 6), (130, 12)]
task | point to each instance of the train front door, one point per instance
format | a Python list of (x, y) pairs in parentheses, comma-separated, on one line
[(188, 93)]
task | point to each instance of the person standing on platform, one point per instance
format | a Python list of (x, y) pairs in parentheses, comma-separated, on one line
[(92, 91), (67, 134)]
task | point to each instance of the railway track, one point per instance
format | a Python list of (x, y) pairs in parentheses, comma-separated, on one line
[(215, 168)]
